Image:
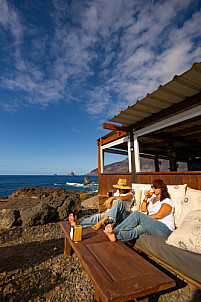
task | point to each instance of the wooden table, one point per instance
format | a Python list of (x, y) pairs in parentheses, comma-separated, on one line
[(117, 272)]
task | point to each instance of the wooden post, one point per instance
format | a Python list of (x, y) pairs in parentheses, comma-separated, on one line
[(102, 160), (133, 171), (99, 159), (67, 247), (97, 297), (172, 155), (136, 152), (157, 169)]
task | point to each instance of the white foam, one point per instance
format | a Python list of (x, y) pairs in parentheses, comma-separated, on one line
[(74, 184)]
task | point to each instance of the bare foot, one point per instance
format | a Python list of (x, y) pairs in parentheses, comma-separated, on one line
[(71, 219), (110, 233)]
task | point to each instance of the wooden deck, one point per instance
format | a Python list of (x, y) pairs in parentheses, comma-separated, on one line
[(117, 271)]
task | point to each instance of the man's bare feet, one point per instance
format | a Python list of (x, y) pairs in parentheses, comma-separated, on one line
[(110, 233), (71, 219)]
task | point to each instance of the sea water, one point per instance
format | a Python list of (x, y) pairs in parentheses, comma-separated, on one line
[(11, 183)]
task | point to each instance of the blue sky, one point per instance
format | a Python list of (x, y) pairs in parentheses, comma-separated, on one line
[(68, 66)]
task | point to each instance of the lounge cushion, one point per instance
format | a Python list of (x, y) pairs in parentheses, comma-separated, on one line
[(142, 188), (184, 261), (177, 194), (192, 201), (136, 200), (188, 235)]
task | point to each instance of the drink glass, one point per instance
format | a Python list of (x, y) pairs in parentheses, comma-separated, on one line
[(110, 193), (151, 192)]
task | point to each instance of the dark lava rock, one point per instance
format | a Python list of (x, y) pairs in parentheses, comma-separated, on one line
[(8, 218), (31, 206), (40, 214), (87, 180)]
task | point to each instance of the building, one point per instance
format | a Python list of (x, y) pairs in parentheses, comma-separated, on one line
[(166, 124)]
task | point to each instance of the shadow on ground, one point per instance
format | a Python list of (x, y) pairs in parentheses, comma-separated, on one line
[(29, 254)]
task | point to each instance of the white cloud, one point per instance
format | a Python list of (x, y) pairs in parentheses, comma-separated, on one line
[(105, 53)]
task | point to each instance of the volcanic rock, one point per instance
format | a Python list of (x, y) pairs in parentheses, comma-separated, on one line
[(40, 214), (87, 180), (8, 217)]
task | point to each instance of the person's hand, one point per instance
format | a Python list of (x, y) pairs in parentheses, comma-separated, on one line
[(108, 203), (146, 195)]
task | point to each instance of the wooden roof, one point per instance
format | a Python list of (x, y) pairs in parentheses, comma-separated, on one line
[(177, 96), (174, 92)]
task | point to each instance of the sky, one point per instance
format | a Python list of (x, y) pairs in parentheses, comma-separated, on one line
[(68, 66)]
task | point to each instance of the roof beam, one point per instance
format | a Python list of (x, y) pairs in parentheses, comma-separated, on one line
[(115, 127), (172, 127), (171, 120), (187, 130), (116, 151), (172, 110)]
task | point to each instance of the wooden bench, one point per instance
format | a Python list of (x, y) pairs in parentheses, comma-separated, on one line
[(117, 272)]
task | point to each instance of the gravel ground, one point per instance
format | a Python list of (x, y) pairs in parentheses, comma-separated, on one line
[(33, 268)]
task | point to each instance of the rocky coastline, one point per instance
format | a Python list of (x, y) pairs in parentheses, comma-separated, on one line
[(30, 206), (32, 264)]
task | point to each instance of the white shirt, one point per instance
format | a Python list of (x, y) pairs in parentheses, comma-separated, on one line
[(154, 208), (127, 203)]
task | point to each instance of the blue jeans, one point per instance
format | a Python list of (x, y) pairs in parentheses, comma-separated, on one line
[(116, 214), (138, 223)]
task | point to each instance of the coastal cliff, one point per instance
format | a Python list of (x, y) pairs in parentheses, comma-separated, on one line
[(147, 165)]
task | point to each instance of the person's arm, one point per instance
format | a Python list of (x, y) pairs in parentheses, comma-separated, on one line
[(109, 202), (163, 212), (128, 196), (145, 203), (144, 206)]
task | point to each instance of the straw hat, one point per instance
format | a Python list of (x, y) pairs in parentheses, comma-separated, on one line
[(122, 184)]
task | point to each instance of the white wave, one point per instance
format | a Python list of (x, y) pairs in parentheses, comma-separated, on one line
[(75, 184), (57, 184)]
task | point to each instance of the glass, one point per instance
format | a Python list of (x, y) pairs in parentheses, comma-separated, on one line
[(151, 192), (110, 193)]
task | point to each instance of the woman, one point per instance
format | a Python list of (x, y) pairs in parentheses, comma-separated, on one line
[(118, 208), (158, 222)]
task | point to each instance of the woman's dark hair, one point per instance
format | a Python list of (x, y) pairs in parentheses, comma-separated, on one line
[(158, 183), (164, 194)]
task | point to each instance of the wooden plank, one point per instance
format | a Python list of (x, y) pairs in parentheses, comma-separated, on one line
[(117, 272), (101, 201), (115, 127), (67, 247), (182, 276), (107, 180), (191, 178)]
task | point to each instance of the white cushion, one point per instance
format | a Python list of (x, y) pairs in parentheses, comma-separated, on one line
[(188, 235), (177, 195), (192, 201), (136, 200), (142, 188)]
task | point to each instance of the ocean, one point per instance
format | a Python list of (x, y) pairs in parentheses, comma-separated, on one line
[(11, 183)]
